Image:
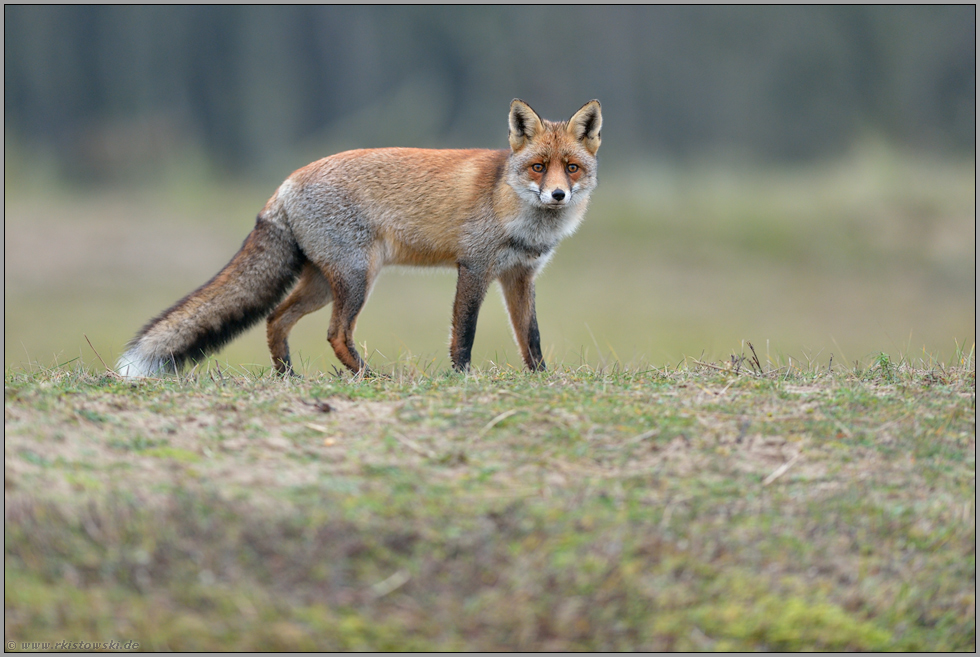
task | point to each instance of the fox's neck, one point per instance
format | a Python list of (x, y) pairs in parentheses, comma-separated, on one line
[(543, 228)]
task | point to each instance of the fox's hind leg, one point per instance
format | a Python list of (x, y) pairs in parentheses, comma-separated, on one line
[(350, 291), (310, 294)]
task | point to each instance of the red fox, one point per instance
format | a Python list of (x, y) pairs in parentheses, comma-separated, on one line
[(491, 214)]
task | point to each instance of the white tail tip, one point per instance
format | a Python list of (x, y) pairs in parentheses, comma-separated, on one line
[(133, 365)]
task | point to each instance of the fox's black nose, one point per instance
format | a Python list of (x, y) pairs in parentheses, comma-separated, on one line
[(558, 194)]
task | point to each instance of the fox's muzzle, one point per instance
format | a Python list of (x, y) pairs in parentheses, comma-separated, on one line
[(557, 198)]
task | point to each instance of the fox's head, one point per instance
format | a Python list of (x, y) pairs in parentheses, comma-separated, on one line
[(553, 164)]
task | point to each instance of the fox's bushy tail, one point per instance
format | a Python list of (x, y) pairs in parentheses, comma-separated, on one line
[(240, 295)]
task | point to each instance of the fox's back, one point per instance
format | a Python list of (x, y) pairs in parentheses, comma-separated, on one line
[(410, 181), (414, 202)]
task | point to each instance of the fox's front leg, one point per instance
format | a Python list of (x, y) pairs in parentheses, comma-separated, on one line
[(471, 287), (518, 287)]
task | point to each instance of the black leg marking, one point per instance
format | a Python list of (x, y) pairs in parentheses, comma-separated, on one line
[(471, 287), (534, 342)]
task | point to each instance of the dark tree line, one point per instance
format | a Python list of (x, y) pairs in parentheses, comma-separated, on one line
[(99, 86)]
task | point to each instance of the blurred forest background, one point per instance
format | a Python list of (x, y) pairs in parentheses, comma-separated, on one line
[(802, 177)]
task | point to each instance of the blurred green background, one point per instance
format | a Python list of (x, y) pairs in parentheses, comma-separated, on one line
[(801, 178)]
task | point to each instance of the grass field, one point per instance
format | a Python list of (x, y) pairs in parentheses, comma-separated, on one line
[(734, 505)]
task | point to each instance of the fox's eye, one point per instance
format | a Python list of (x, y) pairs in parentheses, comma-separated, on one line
[(572, 168), (537, 167)]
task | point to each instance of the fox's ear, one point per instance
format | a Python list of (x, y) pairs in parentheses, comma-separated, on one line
[(525, 124), (586, 125)]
